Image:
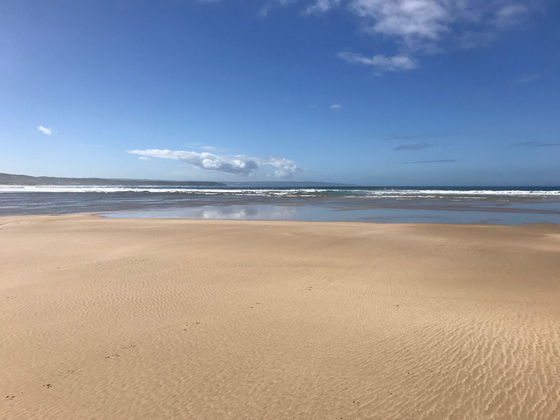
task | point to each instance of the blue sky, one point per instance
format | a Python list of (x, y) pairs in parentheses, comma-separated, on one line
[(378, 92)]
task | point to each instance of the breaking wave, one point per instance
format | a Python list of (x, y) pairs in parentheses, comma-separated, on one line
[(398, 193)]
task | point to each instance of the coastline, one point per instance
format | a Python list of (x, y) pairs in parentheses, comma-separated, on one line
[(131, 318), (375, 205)]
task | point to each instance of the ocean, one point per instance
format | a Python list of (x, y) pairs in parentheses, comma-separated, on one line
[(491, 205)]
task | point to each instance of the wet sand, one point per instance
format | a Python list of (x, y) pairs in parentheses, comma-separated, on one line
[(151, 318)]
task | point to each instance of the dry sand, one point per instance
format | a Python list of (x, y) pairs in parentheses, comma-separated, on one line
[(150, 319)]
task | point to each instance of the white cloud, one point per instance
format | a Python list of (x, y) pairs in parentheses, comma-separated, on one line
[(424, 19), (336, 107), (237, 165), (143, 158), (46, 130), (380, 62), (419, 21), (431, 26), (423, 26), (284, 167)]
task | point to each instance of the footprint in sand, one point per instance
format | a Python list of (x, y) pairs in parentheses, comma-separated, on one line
[(10, 397), (67, 372), (187, 324), (112, 356), (115, 355), (47, 386), (130, 346)]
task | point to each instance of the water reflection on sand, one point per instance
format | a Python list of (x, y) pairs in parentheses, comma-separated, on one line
[(343, 210)]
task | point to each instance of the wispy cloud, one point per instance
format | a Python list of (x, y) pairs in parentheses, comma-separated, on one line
[(432, 26), (335, 107), (510, 14), (322, 6), (380, 62), (537, 144), (419, 162), (271, 4), (415, 146), (408, 20), (45, 130), (237, 165), (418, 136), (421, 26), (404, 137), (527, 79), (202, 146)]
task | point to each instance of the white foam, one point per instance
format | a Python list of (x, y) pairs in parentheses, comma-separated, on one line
[(153, 189), (288, 192), (463, 193)]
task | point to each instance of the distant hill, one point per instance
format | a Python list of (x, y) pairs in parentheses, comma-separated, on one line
[(11, 179)]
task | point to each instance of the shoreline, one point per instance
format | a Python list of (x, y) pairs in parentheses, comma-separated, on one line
[(364, 209), (136, 318), (101, 216)]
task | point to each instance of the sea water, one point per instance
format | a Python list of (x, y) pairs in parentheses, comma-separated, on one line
[(495, 205)]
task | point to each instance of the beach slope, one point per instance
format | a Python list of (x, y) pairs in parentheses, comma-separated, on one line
[(137, 319)]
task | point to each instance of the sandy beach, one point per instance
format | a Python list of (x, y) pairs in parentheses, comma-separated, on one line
[(153, 318)]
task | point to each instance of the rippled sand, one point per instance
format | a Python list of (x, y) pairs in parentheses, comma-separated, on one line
[(149, 319)]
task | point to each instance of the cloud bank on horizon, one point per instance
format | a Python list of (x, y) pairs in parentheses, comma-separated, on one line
[(418, 27), (235, 165)]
